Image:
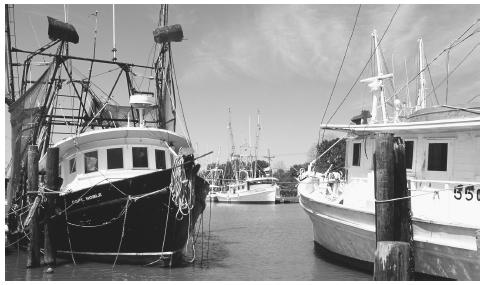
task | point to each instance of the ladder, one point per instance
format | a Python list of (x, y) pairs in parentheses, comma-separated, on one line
[(12, 57)]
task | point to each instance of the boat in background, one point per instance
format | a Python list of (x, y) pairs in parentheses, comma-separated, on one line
[(251, 190), (250, 183), (443, 176)]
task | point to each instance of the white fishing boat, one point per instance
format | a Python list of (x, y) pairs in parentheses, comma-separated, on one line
[(443, 176), (250, 183), (252, 190)]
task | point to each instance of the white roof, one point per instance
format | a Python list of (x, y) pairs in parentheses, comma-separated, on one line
[(456, 124), (123, 132)]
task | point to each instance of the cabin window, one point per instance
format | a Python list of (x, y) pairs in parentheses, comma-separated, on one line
[(437, 158), (356, 154), (140, 157), (160, 159), (115, 158), (72, 165), (90, 161), (408, 154)]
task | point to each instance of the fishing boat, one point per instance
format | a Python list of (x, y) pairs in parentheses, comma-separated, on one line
[(128, 188), (249, 183), (443, 176), (251, 190), (214, 177)]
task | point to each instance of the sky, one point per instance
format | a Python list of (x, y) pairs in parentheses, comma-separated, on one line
[(280, 59)]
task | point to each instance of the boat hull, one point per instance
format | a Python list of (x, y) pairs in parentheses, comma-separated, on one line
[(132, 220), (441, 250), (262, 196)]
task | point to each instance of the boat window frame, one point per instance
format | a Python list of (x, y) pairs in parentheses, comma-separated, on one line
[(164, 158), (414, 154), (97, 162), (69, 165), (147, 157), (450, 157), (354, 143), (441, 163), (122, 157)]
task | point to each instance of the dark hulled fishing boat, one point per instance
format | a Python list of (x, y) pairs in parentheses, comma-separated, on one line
[(129, 189)]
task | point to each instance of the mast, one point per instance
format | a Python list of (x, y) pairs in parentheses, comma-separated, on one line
[(421, 100), (11, 85), (231, 134), (376, 84), (257, 136), (164, 35)]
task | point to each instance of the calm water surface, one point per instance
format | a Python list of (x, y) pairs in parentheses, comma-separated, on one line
[(247, 242)]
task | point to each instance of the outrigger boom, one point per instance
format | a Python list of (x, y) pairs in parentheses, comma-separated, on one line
[(84, 59)]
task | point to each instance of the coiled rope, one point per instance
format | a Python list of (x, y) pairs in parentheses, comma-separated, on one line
[(181, 197)]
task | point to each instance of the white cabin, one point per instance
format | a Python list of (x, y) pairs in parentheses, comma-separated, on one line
[(442, 161), (104, 156)]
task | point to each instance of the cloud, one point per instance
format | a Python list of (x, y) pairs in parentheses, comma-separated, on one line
[(296, 37)]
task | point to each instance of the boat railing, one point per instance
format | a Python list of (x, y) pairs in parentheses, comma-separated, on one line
[(427, 184), (459, 188)]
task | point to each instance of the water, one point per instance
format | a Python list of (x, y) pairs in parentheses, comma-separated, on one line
[(247, 242)]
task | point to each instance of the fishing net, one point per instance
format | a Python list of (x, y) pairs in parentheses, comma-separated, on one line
[(24, 117)]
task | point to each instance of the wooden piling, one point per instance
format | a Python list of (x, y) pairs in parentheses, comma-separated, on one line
[(384, 187), (391, 261), (33, 250), (393, 255), (52, 183), (402, 219)]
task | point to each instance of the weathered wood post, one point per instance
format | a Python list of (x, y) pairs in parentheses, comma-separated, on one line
[(391, 261), (52, 183), (393, 231), (402, 207), (384, 187), (33, 250)]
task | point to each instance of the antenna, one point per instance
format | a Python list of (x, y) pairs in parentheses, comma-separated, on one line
[(421, 100), (114, 36), (65, 13), (376, 83)]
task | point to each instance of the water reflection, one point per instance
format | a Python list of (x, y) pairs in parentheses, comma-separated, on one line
[(247, 242)]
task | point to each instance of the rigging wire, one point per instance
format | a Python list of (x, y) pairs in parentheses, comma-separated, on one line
[(454, 44), (339, 71), (457, 66), (432, 82), (179, 99), (368, 61)]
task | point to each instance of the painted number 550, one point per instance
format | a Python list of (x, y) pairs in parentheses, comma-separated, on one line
[(468, 193)]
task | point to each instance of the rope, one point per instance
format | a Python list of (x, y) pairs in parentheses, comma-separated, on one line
[(122, 233), (18, 240), (457, 66), (434, 191), (181, 198), (451, 46), (339, 71), (179, 99), (68, 233), (164, 234)]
